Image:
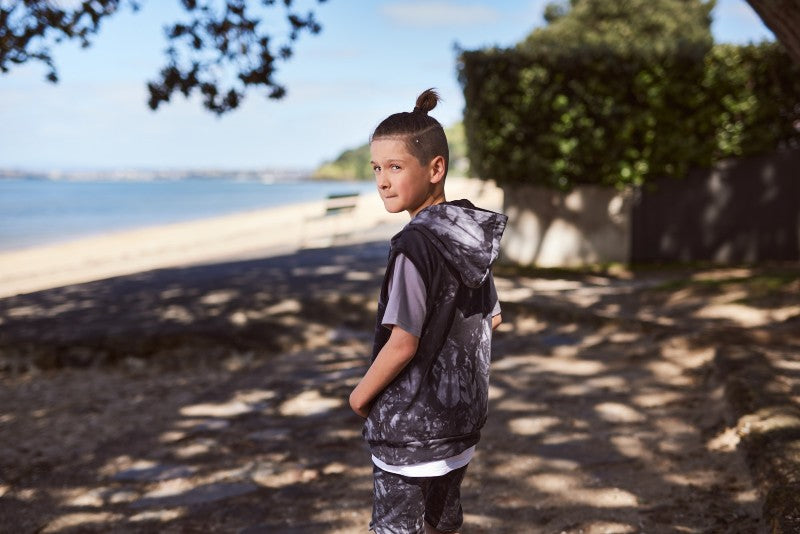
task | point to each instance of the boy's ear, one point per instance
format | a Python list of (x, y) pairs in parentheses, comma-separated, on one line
[(436, 167)]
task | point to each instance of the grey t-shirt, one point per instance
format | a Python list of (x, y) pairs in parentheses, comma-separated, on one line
[(406, 304)]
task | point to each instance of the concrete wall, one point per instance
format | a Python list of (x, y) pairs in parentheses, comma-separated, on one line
[(549, 229), (744, 210)]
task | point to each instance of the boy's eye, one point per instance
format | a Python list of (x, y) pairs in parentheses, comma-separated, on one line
[(376, 168), (396, 167)]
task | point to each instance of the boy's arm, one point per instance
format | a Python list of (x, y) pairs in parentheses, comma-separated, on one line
[(392, 358)]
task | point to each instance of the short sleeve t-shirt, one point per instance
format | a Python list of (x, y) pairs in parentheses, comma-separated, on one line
[(405, 306)]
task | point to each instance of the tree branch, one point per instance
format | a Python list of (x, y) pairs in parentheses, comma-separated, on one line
[(221, 51)]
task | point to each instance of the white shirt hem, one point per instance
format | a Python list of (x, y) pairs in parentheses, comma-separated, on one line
[(428, 469)]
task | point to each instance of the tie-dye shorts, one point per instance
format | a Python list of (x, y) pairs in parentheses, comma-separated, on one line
[(401, 503)]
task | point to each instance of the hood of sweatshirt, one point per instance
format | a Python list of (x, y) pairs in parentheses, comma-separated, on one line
[(468, 237)]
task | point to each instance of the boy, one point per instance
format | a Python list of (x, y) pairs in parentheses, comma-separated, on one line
[(425, 395)]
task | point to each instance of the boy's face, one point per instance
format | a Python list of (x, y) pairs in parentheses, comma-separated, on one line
[(403, 183)]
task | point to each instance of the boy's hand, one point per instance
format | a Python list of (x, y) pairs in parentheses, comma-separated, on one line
[(393, 357)]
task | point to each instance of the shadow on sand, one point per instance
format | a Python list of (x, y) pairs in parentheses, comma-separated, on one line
[(213, 399)]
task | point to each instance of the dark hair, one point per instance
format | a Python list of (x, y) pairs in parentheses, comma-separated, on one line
[(423, 135)]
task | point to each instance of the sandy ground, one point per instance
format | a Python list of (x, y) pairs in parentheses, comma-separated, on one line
[(212, 398)]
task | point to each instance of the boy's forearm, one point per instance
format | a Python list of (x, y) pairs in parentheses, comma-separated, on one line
[(392, 359)]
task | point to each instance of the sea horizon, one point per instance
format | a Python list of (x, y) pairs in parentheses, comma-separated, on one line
[(36, 211)]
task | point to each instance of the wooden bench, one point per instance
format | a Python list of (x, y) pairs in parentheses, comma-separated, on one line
[(336, 206), (340, 203)]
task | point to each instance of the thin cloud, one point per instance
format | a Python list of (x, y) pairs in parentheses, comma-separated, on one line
[(436, 14)]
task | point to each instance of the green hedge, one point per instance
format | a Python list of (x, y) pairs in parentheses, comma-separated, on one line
[(755, 90), (601, 116)]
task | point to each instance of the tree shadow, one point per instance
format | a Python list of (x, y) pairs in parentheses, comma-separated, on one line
[(213, 398), (168, 315), (169, 340), (742, 210), (609, 434)]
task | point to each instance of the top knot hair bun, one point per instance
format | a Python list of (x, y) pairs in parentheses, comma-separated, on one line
[(426, 101)]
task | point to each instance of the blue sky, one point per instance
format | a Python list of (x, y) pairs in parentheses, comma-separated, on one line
[(371, 59)]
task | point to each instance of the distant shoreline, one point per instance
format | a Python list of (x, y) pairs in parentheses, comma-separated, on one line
[(144, 175), (36, 212)]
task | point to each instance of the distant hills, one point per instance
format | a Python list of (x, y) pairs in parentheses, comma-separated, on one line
[(353, 164)]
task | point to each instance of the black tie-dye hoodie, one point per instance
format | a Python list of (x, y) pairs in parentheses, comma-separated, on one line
[(437, 405)]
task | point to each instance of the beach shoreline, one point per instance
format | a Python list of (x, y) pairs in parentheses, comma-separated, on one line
[(245, 235)]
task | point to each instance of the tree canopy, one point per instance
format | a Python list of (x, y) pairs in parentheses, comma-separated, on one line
[(665, 23), (659, 27), (221, 50)]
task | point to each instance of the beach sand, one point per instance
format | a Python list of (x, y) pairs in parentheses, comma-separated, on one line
[(246, 235), (213, 398)]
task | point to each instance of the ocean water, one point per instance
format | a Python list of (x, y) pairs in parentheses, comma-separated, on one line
[(37, 212)]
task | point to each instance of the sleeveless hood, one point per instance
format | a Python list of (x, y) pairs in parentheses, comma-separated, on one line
[(467, 237)]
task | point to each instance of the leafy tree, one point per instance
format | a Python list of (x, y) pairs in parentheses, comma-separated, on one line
[(619, 27), (783, 18), (780, 16), (352, 164), (221, 50)]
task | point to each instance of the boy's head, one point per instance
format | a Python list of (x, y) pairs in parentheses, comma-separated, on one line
[(422, 135)]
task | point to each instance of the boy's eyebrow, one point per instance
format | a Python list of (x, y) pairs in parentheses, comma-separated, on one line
[(389, 160)]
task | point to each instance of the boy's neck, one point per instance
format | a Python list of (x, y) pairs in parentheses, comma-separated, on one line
[(430, 201)]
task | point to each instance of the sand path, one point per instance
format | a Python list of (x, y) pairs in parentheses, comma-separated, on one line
[(598, 423)]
